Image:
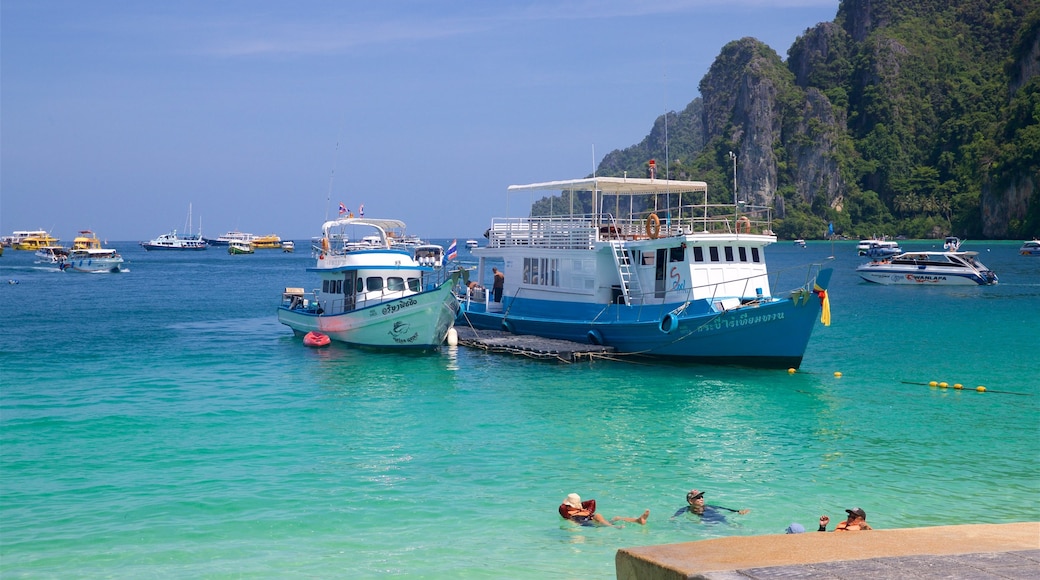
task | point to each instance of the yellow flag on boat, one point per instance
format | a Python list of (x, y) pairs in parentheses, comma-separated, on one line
[(825, 303)]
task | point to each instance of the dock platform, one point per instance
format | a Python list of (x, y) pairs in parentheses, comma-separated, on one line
[(531, 346)]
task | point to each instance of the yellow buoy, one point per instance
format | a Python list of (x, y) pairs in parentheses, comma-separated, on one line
[(933, 384), (790, 371), (943, 385), (958, 386), (837, 374), (980, 389)]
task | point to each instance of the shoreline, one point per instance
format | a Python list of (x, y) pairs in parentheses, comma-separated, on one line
[(722, 558)]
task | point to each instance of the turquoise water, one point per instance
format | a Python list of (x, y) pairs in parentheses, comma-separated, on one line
[(162, 423)]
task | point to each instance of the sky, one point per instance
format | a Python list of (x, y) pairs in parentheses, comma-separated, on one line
[(264, 116)]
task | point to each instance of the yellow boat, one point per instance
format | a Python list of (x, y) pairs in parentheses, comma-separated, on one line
[(268, 242), (33, 240), (86, 240)]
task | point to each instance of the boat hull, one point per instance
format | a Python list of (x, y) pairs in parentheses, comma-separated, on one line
[(418, 321), (771, 334), (94, 265)]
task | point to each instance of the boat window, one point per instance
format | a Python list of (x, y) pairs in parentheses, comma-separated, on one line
[(743, 253), (698, 254), (395, 283), (754, 255), (729, 253), (714, 252), (648, 259), (374, 283), (360, 285), (414, 284), (677, 254), (325, 286)]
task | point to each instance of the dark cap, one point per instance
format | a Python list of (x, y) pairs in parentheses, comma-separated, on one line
[(857, 512), (694, 494)]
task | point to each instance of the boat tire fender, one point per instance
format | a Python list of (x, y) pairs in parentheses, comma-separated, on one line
[(653, 226), (669, 323), (595, 337), (743, 225)]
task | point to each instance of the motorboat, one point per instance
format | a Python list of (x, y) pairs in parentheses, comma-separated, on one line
[(800, 243), (648, 272), (952, 244), (288, 246), (88, 255), (373, 294), (471, 244), (1031, 248), (32, 240), (51, 255), (929, 268), (240, 247), (232, 236), (173, 241), (879, 247), (268, 242)]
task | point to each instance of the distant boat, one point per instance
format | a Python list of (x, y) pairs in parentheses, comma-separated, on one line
[(229, 237), (53, 255), (1031, 248), (32, 240), (288, 246), (472, 244), (268, 242), (952, 243), (88, 255), (929, 268), (800, 243), (879, 245), (240, 247), (172, 241)]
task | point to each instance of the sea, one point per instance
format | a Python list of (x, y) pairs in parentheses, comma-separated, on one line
[(160, 423)]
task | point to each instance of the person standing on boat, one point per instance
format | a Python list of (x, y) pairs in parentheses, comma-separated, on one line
[(500, 281), (708, 513), (584, 513), (857, 521)]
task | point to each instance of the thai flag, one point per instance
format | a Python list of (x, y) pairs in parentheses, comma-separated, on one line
[(453, 252), (342, 208), (361, 210)]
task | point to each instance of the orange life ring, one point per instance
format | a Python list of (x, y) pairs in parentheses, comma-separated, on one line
[(653, 226), (743, 223)]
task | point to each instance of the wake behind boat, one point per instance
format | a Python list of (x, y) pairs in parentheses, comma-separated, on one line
[(692, 286), (929, 268), (373, 293)]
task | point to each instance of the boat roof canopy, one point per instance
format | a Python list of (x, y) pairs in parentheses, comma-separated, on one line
[(618, 185), (382, 224)]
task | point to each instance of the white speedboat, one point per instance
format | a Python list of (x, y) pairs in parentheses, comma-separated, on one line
[(88, 255), (53, 255), (288, 246), (172, 241), (878, 247), (952, 244), (929, 268), (1031, 248), (648, 273), (372, 294), (472, 244)]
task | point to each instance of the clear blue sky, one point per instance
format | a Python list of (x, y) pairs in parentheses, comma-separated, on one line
[(265, 115)]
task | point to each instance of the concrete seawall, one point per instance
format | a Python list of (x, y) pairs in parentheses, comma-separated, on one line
[(889, 553)]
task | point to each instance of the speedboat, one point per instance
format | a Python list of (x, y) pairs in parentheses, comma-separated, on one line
[(647, 272), (240, 247), (471, 244), (53, 255), (800, 243), (952, 243), (288, 246), (88, 255), (929, 268), (1031, 248), (880, 247), (372, 294)]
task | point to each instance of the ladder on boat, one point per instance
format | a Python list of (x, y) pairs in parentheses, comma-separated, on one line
[(629, 281)]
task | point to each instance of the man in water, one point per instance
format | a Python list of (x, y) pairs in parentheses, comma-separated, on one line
[(707, 513), (857, 521), (584, 513)]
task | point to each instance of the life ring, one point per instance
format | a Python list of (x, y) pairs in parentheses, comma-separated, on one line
[(653, 226), (743, 223), (325, 245)]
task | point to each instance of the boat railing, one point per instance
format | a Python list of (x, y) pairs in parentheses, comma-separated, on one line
[(582, 231)]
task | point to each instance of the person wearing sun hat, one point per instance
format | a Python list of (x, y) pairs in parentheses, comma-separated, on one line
[(857, 521), (584, 513), (707, 513)]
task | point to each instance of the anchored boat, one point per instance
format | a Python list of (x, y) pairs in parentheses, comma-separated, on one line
[(374, 293), (648, 270), (929, 268)]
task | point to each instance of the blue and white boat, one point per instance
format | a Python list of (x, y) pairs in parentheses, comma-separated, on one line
[(375, 293), (929, 269), (1031, 248), (636, 265)]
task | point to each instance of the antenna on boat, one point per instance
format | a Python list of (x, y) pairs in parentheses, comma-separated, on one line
[(593, 160)]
